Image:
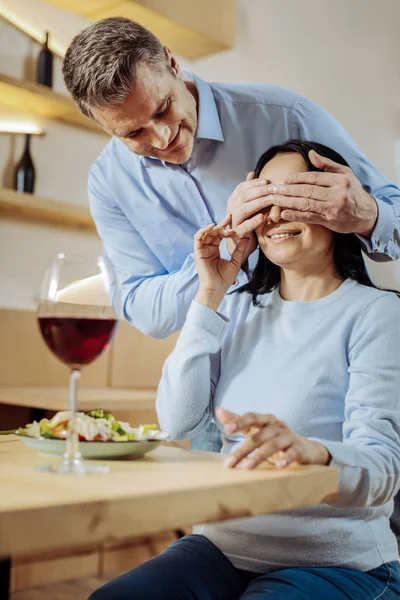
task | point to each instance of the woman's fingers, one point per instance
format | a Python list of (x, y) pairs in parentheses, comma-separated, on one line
[(266, 441), (245, 422), (238, 253), (217, 230)]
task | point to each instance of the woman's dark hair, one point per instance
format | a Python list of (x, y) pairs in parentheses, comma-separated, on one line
[(347, 254)]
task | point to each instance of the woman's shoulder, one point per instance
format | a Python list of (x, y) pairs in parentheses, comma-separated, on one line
[(374, 299), (376, 309)]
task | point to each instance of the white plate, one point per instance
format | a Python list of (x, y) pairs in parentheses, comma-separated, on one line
[(92, 450)]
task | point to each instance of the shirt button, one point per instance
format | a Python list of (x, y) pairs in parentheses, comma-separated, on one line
[(235, 282)]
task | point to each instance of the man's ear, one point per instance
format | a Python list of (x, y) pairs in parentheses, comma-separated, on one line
[(172, 63)]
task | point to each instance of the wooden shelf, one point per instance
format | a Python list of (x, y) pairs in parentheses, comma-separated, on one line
[(89, 398), (29, 207), (40, 100), (191, 28)]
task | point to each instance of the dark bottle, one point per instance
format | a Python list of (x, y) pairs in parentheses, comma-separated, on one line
[(45, 65), (25, 170)]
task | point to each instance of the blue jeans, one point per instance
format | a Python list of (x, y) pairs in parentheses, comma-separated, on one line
[(192, 568), (208, 440)]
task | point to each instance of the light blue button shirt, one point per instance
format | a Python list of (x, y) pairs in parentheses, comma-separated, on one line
[(147, 211)]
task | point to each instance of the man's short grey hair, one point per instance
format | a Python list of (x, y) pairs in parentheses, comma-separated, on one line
[(101, 63)]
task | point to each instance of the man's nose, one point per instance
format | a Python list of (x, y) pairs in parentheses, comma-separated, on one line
[(160, 136), (275, 214)]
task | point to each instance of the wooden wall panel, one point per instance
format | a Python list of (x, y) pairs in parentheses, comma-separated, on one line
[(137, 359), (25, 359), (133, 361)]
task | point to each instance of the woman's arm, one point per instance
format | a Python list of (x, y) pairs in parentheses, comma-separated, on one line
[(369, 457), (191, 372)]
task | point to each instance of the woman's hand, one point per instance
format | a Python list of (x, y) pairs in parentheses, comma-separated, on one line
[(216, 274), (268, 437)]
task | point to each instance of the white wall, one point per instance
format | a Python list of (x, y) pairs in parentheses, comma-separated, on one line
[(62, 159), (343, 54)]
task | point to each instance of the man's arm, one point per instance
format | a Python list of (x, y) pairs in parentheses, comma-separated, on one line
[(150, 298), (315, 124)]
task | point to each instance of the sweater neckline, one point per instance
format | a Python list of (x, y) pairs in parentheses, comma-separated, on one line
[(342, 290)]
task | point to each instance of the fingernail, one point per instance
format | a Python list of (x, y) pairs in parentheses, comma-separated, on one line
[(262, 181), (230, 462), (281, 463), (231, 428), (287, 179)]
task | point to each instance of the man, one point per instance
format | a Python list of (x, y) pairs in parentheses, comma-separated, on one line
[(180, 147)]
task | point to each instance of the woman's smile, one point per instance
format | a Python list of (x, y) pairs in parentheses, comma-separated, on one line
[(283, 234)]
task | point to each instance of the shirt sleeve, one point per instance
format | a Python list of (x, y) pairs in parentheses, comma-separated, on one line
[(190, 374), (314, 123), (368, 459), (146, 295)]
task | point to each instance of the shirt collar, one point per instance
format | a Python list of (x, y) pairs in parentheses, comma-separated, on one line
[(208, 122)]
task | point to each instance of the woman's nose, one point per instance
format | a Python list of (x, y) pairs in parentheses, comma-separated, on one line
[(275, 214)]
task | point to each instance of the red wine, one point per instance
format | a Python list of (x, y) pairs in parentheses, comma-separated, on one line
[(77, 341), (45, 65), (25, 171)]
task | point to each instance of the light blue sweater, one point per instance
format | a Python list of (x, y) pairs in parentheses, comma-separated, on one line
[(331, 370)]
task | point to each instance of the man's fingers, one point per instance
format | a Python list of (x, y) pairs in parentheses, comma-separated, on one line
[(328, 165), (299, 203), (300, 190), (248, 226), (313, 178), (304, 217), (248, 190)]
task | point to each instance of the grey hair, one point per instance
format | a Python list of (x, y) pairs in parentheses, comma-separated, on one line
[(100, 65)]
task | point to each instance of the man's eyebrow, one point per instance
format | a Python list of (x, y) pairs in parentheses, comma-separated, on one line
[(132, 132)]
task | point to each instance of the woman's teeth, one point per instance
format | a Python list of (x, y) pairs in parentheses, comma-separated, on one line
[(277, 236)]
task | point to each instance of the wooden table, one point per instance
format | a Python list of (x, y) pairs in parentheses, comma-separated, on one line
[(166, 490), (89, 398)]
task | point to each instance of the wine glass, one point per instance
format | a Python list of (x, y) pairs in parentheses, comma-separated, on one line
[(77, 322)]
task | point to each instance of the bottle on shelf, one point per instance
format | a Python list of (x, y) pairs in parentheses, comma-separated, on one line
[(25, 170), (45, 64)]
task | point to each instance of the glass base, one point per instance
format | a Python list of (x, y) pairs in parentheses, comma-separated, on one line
[(73, 468)]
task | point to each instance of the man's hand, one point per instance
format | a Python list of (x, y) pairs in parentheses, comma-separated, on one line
[(244, 205), (266, 437), (335, 198)]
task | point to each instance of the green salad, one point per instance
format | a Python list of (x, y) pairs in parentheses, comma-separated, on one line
[(93, 426)]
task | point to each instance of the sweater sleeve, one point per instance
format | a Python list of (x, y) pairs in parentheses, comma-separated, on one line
[(190, 374), (368, 459)]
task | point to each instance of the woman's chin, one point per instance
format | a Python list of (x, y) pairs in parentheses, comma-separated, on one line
[(282, 259)]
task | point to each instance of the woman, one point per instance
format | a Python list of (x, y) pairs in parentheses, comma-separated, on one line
[(313, 375)]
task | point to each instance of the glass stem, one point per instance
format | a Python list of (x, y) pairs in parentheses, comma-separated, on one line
[(72, 454)]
